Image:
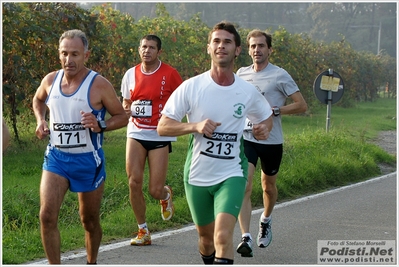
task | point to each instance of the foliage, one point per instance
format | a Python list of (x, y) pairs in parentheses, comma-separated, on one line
[(115, 45), (30, 35), (364, 25), (183, 43), (31, 31)]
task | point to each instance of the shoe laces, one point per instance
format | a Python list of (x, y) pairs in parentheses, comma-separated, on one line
[(164, 204), (141, 233), (264, 228), (246, 239)]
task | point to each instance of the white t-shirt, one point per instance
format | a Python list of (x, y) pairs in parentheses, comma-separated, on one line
[(275, 84), (213, 160)]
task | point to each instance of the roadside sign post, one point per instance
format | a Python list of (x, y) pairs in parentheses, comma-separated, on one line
[(328, 88)]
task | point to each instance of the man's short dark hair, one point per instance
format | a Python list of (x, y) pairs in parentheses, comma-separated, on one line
[(152, 37), (229, 27)]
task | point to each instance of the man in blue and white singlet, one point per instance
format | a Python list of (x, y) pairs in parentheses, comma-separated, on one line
[(77, 99), (216, 104)]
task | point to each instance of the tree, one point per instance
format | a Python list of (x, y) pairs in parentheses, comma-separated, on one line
[(30, 50)]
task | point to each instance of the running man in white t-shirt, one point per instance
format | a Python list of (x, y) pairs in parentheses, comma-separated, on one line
[(276, 85), (216, 104)]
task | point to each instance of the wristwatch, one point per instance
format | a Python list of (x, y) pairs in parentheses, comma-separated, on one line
[(276, 111), (102, 125)]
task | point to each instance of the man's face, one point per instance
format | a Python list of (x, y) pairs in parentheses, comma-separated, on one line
[(148, 51), (258, 49), (72, 55), (222, 48)]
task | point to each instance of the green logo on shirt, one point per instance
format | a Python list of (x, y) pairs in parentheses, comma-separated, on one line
[(238, 110)]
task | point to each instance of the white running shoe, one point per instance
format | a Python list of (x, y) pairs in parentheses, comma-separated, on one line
[(265, 234)]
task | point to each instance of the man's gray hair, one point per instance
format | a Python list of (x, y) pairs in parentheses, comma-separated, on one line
[(76, 33)]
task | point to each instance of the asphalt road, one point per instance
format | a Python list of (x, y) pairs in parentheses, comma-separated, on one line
[(364, 211)]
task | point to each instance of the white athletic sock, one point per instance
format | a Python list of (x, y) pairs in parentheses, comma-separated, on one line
[(143, 226), (265, 219), (247, 234)]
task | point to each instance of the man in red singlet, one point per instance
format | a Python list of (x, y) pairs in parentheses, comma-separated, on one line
[(145, 89)]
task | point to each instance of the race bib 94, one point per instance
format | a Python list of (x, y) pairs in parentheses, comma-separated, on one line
[(142, 109)]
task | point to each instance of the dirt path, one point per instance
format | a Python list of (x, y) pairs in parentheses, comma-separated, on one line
[(387, 141)]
